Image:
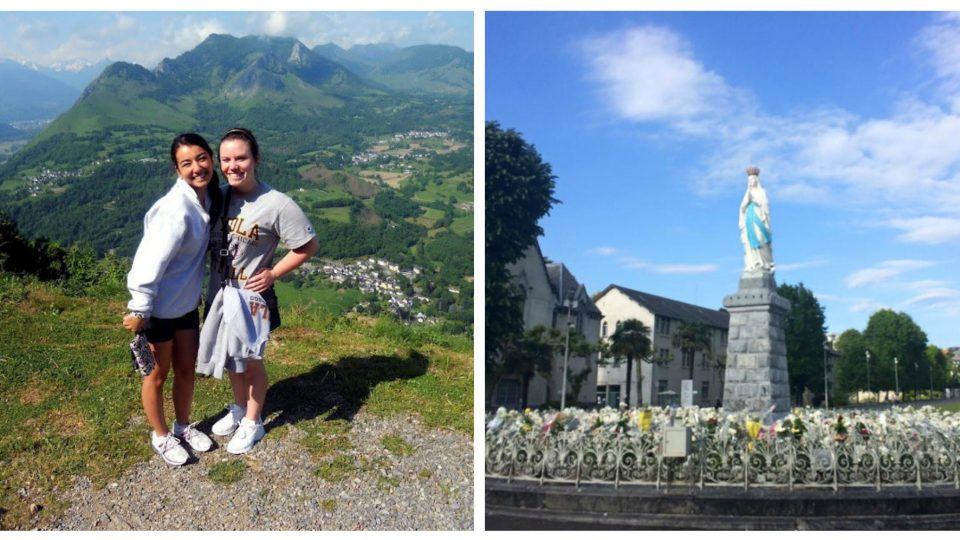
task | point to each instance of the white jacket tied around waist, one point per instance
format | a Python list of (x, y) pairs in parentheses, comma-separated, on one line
[(237, 326), (164, 280)]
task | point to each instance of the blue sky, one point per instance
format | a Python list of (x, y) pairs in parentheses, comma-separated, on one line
[(649, 120), (63, 38)]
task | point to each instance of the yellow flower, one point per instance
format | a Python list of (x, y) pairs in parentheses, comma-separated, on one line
[(644, 420), (753, 428)]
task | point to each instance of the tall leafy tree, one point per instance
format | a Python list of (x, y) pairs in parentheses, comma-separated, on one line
[(939, 367), (691, 338), (891, 335), (805, 335), (519, 191), (631, 341), (852, 364)]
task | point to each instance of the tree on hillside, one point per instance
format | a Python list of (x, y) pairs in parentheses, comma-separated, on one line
[(519, 191), (852, 364), (691, 338), (631, 341), (892, 335), (805, 334)]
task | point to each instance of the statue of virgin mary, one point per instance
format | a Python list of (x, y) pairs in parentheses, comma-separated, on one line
[(754, 222)]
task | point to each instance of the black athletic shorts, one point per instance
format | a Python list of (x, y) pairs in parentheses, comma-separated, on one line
[(160, 330)]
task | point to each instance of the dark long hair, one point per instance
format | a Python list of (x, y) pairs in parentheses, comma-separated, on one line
[(213, 188)]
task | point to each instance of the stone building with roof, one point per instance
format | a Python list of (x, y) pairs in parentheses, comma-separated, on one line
[(549, 290), (661, 379)]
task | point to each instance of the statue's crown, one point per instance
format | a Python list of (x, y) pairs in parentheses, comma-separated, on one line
[(753, 171)]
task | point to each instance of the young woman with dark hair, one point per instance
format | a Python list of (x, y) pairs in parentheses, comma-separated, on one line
[(165, 285)]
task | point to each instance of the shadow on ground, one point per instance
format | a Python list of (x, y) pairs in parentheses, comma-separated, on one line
[(334, 390)]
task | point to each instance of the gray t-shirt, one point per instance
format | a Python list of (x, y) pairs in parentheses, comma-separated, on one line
[(257, 222)]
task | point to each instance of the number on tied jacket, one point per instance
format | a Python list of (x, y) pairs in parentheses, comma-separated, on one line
[(237, 326)]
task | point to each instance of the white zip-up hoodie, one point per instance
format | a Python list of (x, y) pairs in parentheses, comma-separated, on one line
[(167, 270)]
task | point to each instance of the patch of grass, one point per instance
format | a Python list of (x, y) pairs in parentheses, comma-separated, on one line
[(325, 437), (328, 505), (227, 472), (68, 392), (397, 446), (387, 483), (336, 470), (425, 473), (951, 407)]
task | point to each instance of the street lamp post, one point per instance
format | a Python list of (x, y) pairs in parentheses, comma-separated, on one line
[(868, 371), (916, 383), (896, 376), (566, 359), (826, 392), (571, 304)]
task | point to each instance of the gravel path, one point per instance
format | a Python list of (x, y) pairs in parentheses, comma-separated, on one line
[(431, 488)]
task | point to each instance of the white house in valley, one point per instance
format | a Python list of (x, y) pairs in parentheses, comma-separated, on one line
[(661, 379), (545, 288)]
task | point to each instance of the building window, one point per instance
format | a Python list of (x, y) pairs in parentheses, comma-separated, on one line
[(608, 395), (687, 358), (661, 386), (705, 391), (508, 393), (662, 325), (664, 354), (603, 329)]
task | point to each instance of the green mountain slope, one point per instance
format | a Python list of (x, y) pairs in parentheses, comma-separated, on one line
[(329, 138), (436, 69)]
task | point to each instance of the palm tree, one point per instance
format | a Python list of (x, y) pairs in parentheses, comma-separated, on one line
[(631, 340), (692, 337)]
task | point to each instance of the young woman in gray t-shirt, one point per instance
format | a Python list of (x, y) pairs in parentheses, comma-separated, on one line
[(257, 219)]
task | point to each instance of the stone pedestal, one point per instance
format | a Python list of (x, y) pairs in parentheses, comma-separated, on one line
[(756, 376)]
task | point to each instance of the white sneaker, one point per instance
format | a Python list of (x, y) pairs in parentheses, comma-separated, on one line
[(169, 449), (228, 424), (246, 436), (197, 439)]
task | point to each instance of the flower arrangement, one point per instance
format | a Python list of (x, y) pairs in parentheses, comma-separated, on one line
[(821, 446)]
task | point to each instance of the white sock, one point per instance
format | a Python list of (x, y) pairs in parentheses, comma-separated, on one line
[(155, 438)]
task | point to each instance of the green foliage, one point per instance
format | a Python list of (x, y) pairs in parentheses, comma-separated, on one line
[(20, 256), (392, 206), (519, 191), (397, 446), (805, 335), (691, 338), (631, 341), (939, 365), (891, 335), (227, 472), (851, 369)]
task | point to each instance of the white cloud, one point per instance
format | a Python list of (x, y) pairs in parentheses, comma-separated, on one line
[(660, 268), (884, 272), (649, 73), (905, 164), (605, 251), (798, 265), (941, 41), (928, 229), (865, 306), (276, 24)]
